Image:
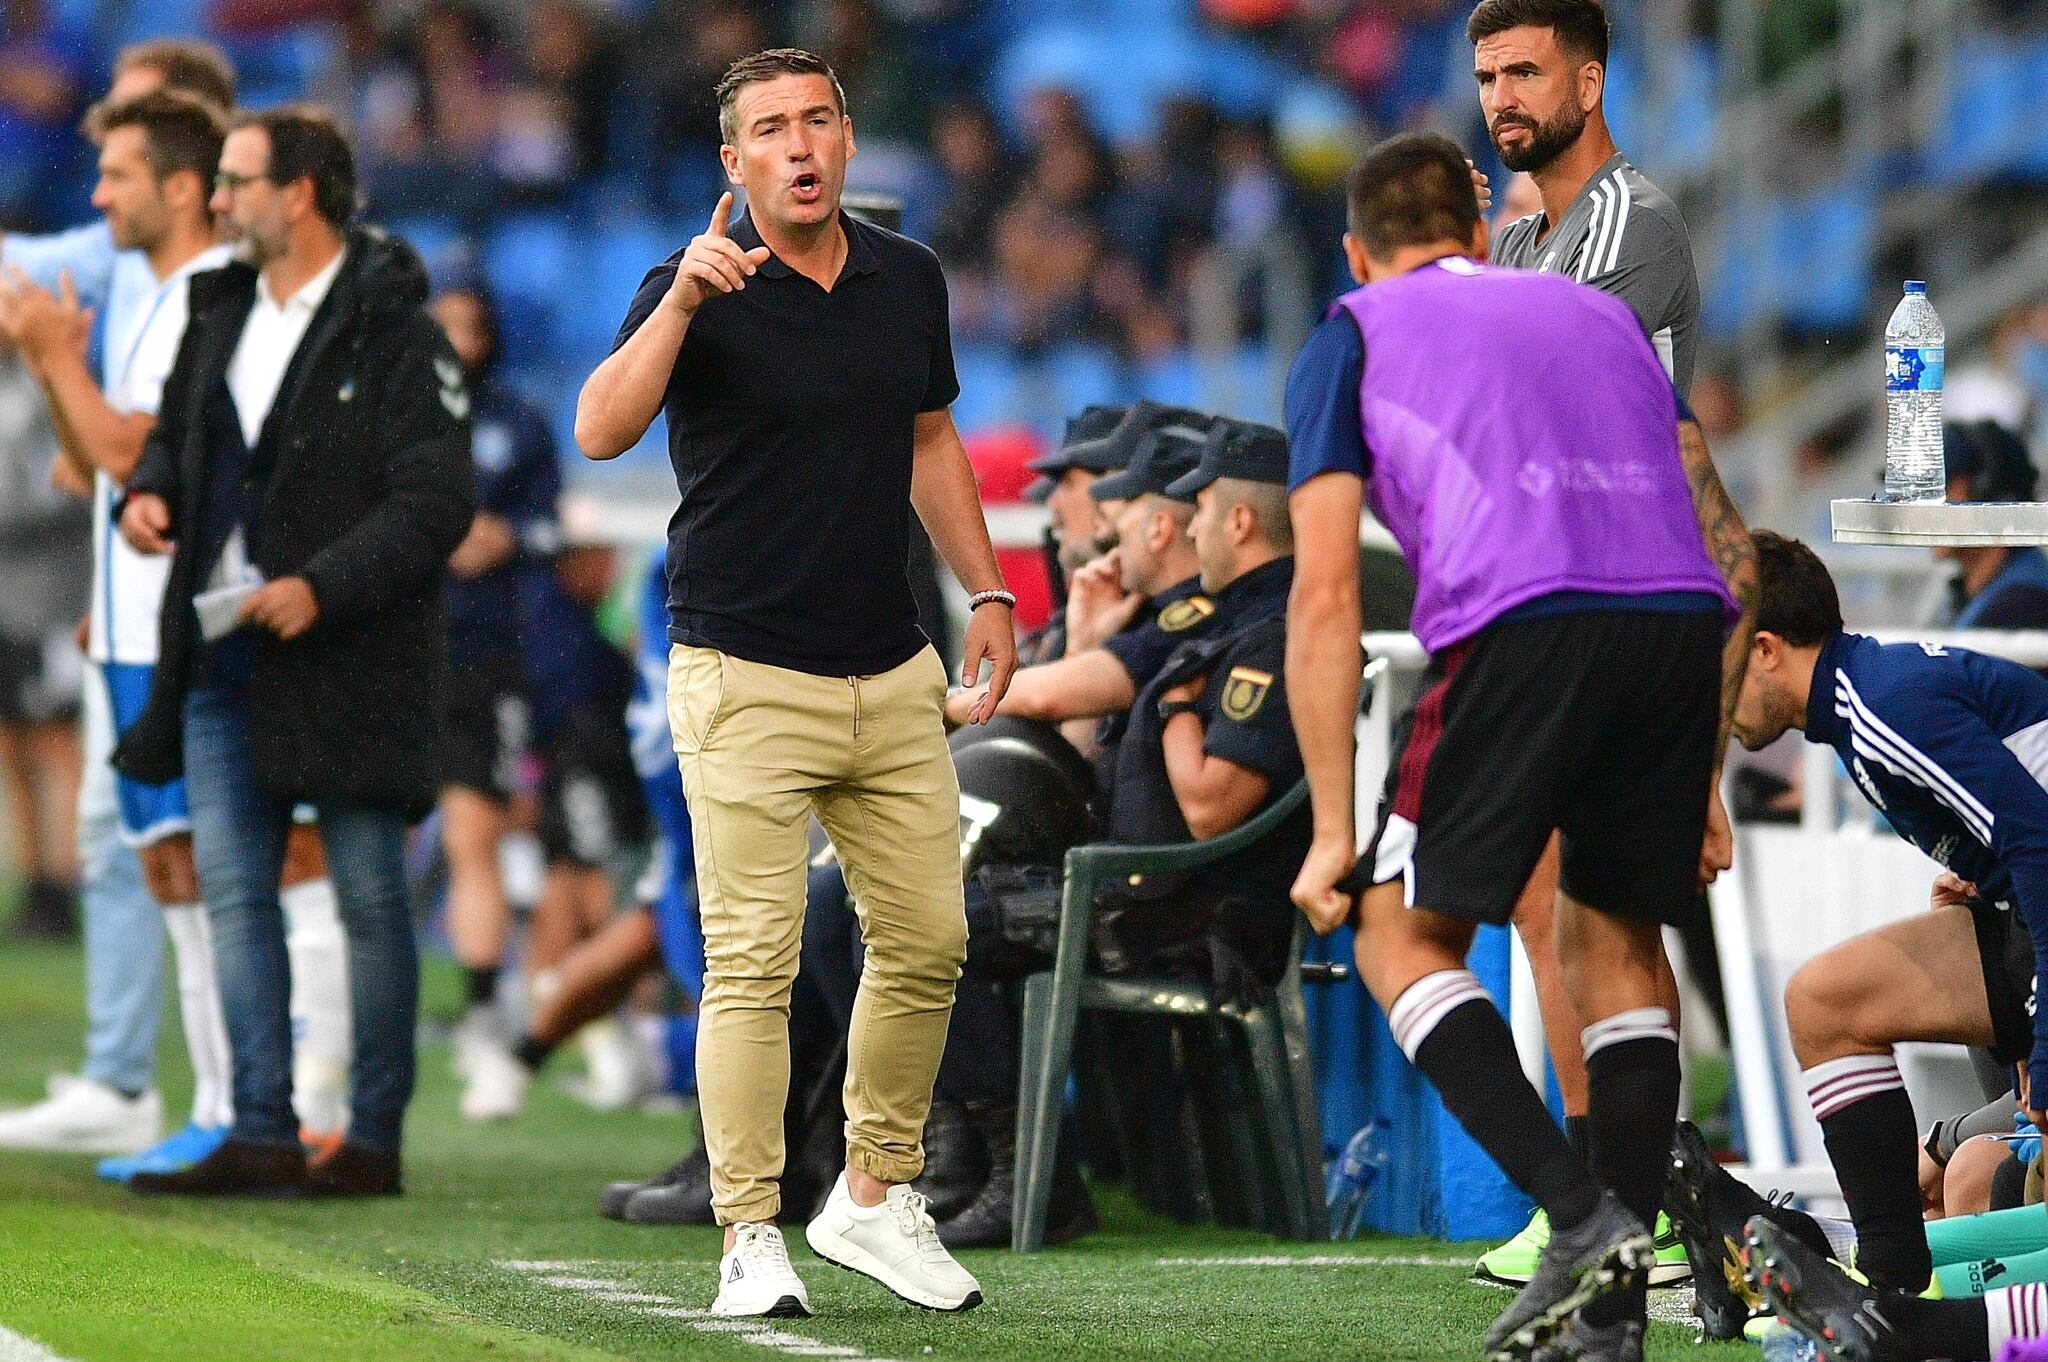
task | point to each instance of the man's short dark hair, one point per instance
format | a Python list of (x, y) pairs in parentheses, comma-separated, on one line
[(1580, 25), (776, 61), (1412, 190), (186, 64), (306, 141), (1796, 597), (180, 131)]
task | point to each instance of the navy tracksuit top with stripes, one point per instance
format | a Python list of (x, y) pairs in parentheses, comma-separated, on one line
[(1952, 747)]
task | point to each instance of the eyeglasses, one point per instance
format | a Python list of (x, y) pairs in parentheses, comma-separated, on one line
[(227, 182)]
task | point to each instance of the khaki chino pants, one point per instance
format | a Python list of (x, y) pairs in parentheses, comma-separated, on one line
[(761, 749)]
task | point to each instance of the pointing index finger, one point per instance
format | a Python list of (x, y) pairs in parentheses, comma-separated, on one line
[(721, 214)]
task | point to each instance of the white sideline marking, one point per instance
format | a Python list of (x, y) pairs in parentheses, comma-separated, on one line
[(1315, 1260), (17, 1348), (612, 1291)]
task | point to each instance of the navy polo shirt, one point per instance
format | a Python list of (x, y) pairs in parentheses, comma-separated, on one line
[(791, 425)]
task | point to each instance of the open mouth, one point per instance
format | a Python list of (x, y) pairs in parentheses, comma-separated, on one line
[(807, 186)]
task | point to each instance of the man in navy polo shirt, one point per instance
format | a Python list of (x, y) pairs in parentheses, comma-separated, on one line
[(805, 366)]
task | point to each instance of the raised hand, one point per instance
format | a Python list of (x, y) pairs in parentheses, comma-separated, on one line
[(713, 263)]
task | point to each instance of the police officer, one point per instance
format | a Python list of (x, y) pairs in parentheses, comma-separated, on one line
[(1994, 588), (1129, 609), (1210, 742), (1064, 476), (1208, 745)]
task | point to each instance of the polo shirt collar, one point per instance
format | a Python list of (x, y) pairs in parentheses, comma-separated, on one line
[(860, 251)]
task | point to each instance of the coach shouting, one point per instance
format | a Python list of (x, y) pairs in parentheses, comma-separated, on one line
[(311, 465), (804, 362)]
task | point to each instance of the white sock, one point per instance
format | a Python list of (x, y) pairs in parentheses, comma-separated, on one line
[(2016, 1312), (206, 1028), (1841, 1236), (1428, 1001), (1840, 1083), (322, 1039)]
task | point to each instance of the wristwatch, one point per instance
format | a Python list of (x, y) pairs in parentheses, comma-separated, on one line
[(1169, 708)]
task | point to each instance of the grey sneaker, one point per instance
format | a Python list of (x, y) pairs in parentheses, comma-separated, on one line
[(1607, 1251)]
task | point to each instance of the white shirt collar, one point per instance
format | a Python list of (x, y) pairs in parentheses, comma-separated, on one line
[(314, 292)]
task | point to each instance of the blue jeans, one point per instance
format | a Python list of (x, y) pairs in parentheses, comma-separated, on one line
[(238, 839)]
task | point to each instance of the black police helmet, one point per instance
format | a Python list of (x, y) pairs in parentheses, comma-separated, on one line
[(1024, 792)]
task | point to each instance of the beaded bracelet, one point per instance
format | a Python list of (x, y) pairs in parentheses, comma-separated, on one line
[(991, 597)]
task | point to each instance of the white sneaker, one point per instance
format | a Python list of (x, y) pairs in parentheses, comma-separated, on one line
[(756, 1278), (479, 1029), (81, 1116), (617, 1071), (497, 1085), (896, 1244)]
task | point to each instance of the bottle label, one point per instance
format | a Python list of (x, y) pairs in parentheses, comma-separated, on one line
[(1913, 368)]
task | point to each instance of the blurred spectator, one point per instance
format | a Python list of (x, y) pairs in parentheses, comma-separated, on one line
[(1048, 243), (977, 176), (684, 49), (41, 61), (2011, 382), (429, 114), (876, 67), (557, 117), (46, 563)]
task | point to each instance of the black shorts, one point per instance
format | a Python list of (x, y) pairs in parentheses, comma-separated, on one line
[(2006, 950), (41, 680), (1599, 725), (485, 727), (591, 803)]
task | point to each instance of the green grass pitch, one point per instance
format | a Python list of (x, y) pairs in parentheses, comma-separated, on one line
[(93, 1274)]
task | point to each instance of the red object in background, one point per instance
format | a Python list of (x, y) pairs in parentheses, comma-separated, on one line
[(1250, 13), (999, 456)]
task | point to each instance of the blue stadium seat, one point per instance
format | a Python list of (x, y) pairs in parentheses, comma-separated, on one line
[(142, 19), (533, 262), (1732, 280), (1819, 249), (1079, 374), (439, 241), (991, 383), (617, 257), (281, 67), (1991, 113)]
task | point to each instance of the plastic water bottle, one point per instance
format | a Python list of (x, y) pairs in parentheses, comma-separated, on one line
[(1914, 349), (1353, 1175), (1789, 1345)]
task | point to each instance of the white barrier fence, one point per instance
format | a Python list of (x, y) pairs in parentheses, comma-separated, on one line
[(1794, 892)]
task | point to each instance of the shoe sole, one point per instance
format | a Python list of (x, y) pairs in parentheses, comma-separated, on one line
[(239, 1194), (1631, 1258), (1779, 1286), (787, 1307), (923, 1300), (1689, 1219)]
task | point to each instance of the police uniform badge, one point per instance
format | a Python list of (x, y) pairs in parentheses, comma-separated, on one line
[(1186, 613), (1244, 692)]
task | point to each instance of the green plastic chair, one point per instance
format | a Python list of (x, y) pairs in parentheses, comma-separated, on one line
[(1274, 1070)]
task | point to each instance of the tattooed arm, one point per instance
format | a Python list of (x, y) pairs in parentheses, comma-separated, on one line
[(1729, 545)]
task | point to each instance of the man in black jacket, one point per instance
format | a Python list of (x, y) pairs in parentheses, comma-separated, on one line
[(310, 469)]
